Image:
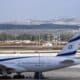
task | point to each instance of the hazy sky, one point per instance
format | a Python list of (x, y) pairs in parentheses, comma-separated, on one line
[(38, 9)]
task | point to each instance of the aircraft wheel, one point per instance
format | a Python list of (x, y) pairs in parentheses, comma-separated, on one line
[(38, 75), (19, 77), (5, 77)]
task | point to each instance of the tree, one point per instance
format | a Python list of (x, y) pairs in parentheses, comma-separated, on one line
[(65, 36), (5, 36)]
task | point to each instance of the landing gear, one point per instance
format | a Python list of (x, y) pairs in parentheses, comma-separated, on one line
[(5, 77), (38, 75), (19, 76)]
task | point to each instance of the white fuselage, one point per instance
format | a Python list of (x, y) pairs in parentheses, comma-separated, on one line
[(36, 63)]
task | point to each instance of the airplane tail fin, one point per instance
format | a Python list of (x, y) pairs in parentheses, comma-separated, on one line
[(71, 47)]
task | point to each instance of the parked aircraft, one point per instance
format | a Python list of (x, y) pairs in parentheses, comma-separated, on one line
[(38, 64)]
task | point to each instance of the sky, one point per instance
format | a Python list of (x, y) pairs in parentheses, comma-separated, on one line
[(38, 9)]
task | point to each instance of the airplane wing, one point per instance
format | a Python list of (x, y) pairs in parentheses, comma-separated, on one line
[(4, 68)]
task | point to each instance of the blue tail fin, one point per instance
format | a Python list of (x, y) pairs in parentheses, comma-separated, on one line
[(71, 47)]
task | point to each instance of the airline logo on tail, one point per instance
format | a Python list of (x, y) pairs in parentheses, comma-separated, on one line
[(72, 46)]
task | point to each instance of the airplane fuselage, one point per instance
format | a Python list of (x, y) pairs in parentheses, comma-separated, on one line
[(36, 63)]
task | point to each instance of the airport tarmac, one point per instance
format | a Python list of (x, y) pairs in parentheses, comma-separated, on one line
[(72, 73), (64, 74)]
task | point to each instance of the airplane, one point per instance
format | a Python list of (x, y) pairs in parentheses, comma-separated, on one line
[(39, 64)]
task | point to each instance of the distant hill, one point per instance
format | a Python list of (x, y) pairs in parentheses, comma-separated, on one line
[(40, 26)]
